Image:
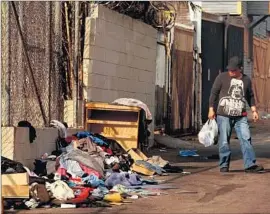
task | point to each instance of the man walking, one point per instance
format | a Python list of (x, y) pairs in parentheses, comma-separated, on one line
[(229, 94)]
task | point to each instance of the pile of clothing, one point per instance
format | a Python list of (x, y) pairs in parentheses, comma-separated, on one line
[(84, 170)]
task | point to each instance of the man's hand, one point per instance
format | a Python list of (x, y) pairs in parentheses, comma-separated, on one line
[(255, 114), (211, 113)]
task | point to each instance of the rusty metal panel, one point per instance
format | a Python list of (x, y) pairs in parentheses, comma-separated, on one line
[(182, 82)]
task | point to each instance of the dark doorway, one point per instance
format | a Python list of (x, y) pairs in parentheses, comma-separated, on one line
[(212, 59)]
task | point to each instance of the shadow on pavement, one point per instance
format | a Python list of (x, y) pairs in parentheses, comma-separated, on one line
[(241, 171)]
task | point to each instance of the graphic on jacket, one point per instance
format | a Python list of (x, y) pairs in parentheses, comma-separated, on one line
[(234, 104)]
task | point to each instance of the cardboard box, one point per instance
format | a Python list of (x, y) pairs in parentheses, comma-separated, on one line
[(141, 169), (15, 185), (15, 179), (21, 191), (137, 154)]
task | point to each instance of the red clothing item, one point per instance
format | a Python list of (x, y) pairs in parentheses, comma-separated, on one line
[(107, 150), (85, 192), (90, 171), (62, 171), (69, 139)]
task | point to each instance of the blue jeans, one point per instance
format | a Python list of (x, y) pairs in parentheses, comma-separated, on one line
[(225, 125)]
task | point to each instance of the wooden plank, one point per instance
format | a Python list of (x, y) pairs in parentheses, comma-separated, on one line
[(117, 122), (137, 154), (182, 81), (261, 73), (112, 122), (183, 40), (116, 130), (15, 185), (127, 144), (15, 179), (15, 191), (106, 106), (114, 109), (119, 137), (255, 66), (267, 79)]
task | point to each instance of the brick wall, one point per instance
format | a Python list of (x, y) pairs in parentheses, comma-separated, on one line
[(119, 58)]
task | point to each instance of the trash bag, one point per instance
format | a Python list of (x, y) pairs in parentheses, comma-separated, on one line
[(209, 133)]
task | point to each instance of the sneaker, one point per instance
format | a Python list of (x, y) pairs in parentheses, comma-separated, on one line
[(224, 169), (254, 169)]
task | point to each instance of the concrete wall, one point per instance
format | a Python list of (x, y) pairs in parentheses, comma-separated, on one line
[(119, 58), (16, 145)]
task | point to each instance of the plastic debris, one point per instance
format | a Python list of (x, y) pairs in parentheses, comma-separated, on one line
[(68, 206), (188, 153), (114, 197)]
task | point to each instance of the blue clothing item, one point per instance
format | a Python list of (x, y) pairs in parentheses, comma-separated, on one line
[(225, 125), (95, 139), (188, 153), (93, 180), (151, 167), (71, 166), (99, 193), (71, 184), (124, 179)]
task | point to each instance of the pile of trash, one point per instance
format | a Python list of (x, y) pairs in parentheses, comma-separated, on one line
[(85, 170)]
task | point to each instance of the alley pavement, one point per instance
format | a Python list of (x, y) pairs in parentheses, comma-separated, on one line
[(205, 189)]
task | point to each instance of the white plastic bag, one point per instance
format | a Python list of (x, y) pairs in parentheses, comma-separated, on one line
[(60, 190), (208, 134)]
